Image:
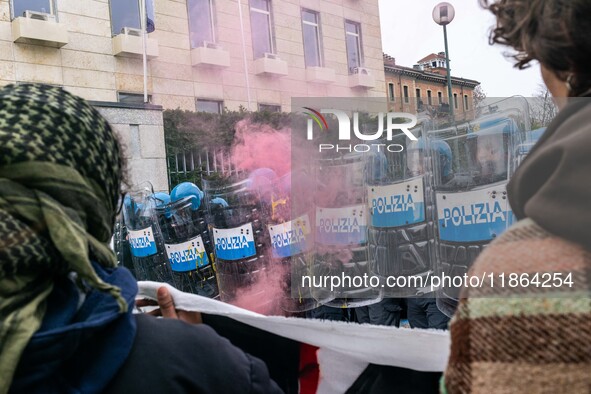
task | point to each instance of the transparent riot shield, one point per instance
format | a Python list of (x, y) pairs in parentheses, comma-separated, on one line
[(237, 222), (188, 247), (121, 246), (530, 139), (341, 248), (144, 235), (292, 239), (472, 204), (401, 221)]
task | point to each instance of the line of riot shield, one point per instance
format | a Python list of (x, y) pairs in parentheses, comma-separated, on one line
[(188, 246), (292, 238), (401, 221), (472, 204), (341, 248), (237, 223), (144, 235), (121, 246)]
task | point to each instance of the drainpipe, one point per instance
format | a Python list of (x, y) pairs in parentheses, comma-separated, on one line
[(246, 76)]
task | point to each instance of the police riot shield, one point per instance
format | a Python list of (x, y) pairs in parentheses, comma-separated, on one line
[(292, 239), (237, 222), (472, 204), (121, 245), (144, 235), (341, 248), (188, 247), (401, 214), (530, 139)]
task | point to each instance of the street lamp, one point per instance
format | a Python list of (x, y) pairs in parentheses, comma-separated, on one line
[(443, 14)]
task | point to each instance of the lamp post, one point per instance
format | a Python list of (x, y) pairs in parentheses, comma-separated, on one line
[(443, 14)]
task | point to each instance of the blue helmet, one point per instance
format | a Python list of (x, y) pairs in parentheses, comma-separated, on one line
[(187, 189), (441, 152), (220, 202), (161, 198), (127, 202), (444, 155), (262, 180), (261, 176), (162, 202), (378, 166), (131, 205)]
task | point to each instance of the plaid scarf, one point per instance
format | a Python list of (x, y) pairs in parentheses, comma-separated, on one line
[(59, 187), (527, 338)]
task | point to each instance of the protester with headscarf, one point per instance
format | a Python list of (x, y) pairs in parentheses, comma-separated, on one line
[(65, 308), (536, 337)]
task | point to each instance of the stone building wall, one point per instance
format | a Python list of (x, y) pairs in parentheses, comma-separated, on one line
[(141, 133)]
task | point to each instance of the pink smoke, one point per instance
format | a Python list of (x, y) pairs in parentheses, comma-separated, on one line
[(260, 150), (266, 294), (261, 146)]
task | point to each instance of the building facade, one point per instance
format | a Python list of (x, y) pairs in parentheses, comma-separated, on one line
[(203, 55), (423, 88)]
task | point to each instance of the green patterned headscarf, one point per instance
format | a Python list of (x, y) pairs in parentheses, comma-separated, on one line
[(60, 175)]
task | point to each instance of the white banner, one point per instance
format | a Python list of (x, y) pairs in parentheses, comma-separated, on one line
[(421, 350)]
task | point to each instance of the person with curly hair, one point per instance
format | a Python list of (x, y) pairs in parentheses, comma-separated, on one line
[(537, 339)]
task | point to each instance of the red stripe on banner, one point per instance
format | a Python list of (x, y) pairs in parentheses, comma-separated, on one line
[(309, 373)]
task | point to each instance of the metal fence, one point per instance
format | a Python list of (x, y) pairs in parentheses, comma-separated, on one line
[(192, 165)]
